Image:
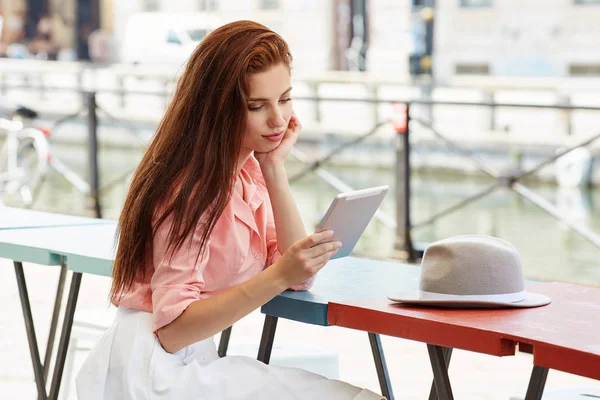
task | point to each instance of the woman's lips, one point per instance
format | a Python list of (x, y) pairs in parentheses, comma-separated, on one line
[(275, 137)]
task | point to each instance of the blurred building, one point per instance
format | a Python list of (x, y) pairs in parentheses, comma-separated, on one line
[(392, 36), (323, 34), (306, 25), (396, 38), (51, 25), (556, 38)]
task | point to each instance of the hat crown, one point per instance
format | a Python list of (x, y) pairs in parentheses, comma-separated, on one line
[(471, 265)]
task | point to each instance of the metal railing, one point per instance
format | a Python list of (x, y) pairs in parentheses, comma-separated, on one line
[(508, 179), (402, 222)]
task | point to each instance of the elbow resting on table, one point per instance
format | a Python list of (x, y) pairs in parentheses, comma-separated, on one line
[(304, 286)]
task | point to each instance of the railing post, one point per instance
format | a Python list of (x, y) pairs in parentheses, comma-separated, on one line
[(427, 109), (565, 100), (92, 123), (489, 97), (314, 88), (372, 93), (403, 246), (121, 86)]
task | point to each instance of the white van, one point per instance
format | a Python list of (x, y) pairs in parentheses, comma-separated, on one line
[(164, 38)]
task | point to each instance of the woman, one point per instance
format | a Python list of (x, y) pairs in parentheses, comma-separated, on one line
[(198, 248)]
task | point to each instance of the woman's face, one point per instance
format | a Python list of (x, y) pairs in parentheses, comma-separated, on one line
[(269, 109)]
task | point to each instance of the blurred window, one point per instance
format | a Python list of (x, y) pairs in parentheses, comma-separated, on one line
[(172, 37), (587, 2), (152, 5), (269, 4), (472, 69), (476, 3), (196, 34), (584, 69), (208, 5)]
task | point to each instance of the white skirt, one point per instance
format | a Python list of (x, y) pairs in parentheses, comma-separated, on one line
[(129, 363)]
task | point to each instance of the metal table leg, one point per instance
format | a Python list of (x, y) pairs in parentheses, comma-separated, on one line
[(537, 382), (447, 354), (440, 372), (65, 335), (381, 366), (31, 338), (224, 342), (266, 340), (54, 321)]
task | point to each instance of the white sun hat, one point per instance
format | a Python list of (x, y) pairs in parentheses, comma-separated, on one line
[(471, 271)]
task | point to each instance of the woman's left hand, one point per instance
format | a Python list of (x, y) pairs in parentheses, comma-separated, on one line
[(279, 154)]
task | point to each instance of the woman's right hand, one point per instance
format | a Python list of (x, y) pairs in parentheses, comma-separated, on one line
[(306, 257)]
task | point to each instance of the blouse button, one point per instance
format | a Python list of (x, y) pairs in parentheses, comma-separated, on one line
[(256, 255)]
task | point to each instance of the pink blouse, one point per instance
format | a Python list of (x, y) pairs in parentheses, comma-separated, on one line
[(242, 243)]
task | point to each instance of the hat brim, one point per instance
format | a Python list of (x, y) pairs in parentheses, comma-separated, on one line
[(414, 298)]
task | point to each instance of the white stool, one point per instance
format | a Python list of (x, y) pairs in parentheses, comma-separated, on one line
[(320, 361)]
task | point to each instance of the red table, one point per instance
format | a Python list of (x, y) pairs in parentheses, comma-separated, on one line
[(564, 335)]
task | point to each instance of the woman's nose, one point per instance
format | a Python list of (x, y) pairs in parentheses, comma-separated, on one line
[(277, 120)]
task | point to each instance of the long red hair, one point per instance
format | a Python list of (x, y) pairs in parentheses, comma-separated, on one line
[(188, 169)]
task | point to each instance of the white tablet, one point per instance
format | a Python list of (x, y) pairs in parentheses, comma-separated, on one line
[(349, 214)]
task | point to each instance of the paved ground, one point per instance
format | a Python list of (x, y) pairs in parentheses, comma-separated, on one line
[(473, 376)]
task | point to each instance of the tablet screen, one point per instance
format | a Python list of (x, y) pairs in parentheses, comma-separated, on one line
[(349, 214)]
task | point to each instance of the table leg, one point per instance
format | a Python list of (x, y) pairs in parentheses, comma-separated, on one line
[(266, 340), (30, 328), (54, 321), (447, 354), (65, 335), (535, 390), (224, 342), (440, 372), (381, 366)]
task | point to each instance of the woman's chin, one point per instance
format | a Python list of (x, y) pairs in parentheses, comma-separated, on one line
[(270, 146)]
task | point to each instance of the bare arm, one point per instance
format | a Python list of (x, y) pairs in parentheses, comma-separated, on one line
[(288, 222), (205, 318)]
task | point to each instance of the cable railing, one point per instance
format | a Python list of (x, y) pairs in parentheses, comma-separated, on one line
[(510, 180)]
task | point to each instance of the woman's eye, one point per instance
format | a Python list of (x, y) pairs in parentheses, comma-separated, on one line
[(262, 106)]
